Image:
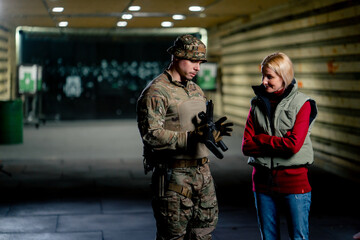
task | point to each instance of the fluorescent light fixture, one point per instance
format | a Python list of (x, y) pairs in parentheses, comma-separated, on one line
[(121, 24), (134, 8), (57, 9), (196, 9), (63, 24), (167, 24), (127, 16), (178, 17)]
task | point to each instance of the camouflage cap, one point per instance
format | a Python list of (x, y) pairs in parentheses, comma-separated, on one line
[(188, 47)]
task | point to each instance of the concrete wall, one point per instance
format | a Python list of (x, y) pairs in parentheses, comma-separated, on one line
[(322, 38)]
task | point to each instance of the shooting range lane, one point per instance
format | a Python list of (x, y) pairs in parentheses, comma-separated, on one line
[(85, 180)]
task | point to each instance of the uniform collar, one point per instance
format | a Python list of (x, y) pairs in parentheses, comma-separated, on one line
[(177, 83)]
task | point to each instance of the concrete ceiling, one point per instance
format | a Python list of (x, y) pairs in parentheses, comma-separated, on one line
[(106, 13)]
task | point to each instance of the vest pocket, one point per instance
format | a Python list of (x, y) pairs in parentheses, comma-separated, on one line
[(287, 119)]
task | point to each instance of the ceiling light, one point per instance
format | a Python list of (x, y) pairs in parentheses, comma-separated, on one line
[(63, 24), (127, 16), (134, 8), (178, 17), (121, 24), (57, 9), (196, 9), (167, 24)]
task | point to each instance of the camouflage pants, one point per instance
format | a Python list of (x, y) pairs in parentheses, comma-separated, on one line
[(179, 217)]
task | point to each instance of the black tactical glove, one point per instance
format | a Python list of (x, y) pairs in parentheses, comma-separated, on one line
[(224, 128), (200, 134), (217, 136)]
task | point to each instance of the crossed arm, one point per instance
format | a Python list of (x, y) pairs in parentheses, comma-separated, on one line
[(261, 144)]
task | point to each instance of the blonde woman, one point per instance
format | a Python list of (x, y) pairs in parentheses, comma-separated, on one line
[(277, 139)]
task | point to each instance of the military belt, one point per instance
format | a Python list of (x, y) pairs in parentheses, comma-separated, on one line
[(180, 189), (184, 163)]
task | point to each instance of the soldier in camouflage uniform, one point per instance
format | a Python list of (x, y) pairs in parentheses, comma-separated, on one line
[(184, 202)]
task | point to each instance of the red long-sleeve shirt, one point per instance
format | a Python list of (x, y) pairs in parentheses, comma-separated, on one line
[(289, 180)]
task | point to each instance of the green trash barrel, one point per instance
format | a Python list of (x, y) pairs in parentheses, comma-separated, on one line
[(11, 122)]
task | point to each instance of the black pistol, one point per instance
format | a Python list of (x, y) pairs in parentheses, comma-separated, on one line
[(210, 141)]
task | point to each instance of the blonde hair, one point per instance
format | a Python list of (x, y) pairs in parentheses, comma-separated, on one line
[(281, 64)]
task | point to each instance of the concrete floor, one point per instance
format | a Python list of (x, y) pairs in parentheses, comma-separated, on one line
[(84, 180)]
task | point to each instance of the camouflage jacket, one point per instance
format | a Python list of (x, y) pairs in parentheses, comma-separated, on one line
[(166, 111)]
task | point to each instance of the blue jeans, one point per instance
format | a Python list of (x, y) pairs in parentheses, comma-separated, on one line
[(296, 207)]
